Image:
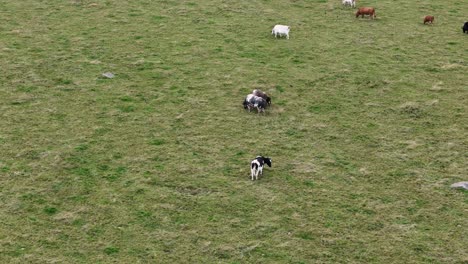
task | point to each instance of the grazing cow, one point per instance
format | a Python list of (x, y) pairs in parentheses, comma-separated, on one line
[(256, 166), (253, 101), (263, 95), (366, 11), (465, 28), (280, 30), (428, 19), (351, 3)]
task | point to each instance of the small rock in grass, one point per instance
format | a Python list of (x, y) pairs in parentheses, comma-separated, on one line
[(109, 75), (461, 185)]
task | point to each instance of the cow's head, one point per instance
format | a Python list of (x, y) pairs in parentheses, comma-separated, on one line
[(267, 161)]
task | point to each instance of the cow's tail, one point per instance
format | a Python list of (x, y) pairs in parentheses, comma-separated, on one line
[(254, 166)]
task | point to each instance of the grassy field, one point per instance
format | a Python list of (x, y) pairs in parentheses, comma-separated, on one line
[(367, 130)]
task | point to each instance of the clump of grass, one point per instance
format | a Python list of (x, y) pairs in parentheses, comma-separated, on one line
[(50, 210), (111, 250), (412, 109)]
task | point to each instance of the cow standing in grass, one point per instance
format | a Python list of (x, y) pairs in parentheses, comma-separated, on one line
[(351, 3), (253, 101), (280, 30), (256, 166), (366, 11), (465, 28), (428, 19)]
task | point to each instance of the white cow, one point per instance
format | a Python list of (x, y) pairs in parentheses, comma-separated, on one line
[(349, 2), (280, 30)]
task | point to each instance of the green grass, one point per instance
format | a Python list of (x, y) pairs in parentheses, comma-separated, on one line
[(367, 130)]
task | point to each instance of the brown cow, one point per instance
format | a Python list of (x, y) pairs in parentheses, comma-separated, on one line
[(366, 11), (428, 19), (263, 95)]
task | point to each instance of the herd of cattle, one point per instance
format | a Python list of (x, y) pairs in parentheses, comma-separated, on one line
[(260, 100)]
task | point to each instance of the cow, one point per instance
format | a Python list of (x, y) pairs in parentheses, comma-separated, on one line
[(263, 95), (351, 3), (253, 101), (280, 30), (366, 11), (428, 19), (256, 166), (465, 28)]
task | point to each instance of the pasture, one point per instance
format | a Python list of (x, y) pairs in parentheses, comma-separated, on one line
[(367, 130)]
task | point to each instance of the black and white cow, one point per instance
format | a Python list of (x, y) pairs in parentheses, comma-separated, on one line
[(253, 101), (256, 166), (465, 28)]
